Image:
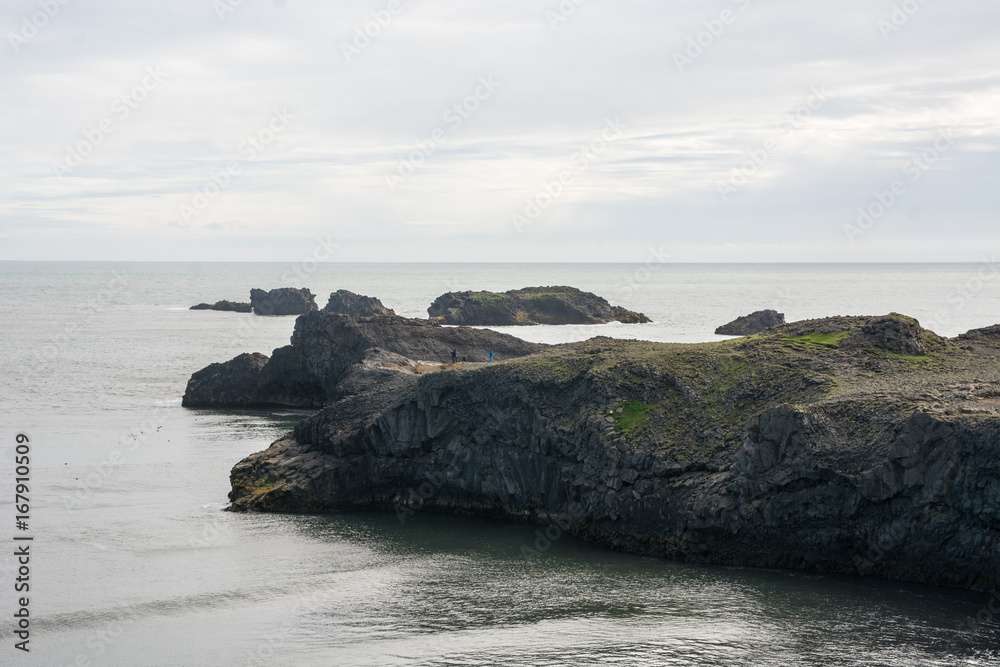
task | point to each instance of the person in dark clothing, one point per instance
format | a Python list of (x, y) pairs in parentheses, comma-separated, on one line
[(454, 356)]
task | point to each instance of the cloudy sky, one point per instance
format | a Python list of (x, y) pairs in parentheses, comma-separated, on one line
[(426, 130)]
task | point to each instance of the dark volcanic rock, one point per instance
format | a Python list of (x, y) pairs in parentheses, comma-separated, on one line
[(747, 325), (283, 301), (233, 383), (531, 305), (326, 348), (344, 302), (233, 306), (893, 333), (687, 451)]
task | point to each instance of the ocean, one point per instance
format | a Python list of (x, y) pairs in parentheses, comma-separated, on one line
[(133, 561)]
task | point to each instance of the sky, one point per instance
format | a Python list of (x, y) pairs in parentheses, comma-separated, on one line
[(426, 130)]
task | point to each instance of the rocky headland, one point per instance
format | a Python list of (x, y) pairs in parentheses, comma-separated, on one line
[(333, 355), (230, 306), (747, 325), (283, 301), (531, 305), (344, 302), (849, 444)]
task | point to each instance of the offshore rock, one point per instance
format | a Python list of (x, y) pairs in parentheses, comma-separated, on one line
[(283, 301), (755, 322), (784, 450), (344, 302), (531, 305), (232, 306), (327, 349)]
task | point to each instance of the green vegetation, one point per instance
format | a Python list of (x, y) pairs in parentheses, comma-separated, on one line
[(634, 417), (816, 340), (490, 298)]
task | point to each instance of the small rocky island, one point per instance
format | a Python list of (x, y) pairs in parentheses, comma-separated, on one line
[(229, 306), (344, 302), (531, 305), (847, 444), (283, 301), (747, 325)]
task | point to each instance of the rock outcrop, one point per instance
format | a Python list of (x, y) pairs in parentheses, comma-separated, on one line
[(344, 302), (232, 383), (893, 333), (747, 325), (231, 306), (327, 348), (784, 450), (531, 305), (283, 301)]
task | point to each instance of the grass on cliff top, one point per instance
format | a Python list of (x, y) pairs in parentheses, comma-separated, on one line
[(816, 340), (490, 298), (634, 417)]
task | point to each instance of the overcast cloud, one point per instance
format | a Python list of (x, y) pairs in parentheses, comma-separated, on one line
[(720, 131)]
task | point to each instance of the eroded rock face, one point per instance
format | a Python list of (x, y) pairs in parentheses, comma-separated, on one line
[(325, 347), (232, 383), (531, 305), (344, 302), (893, 333), (747, 325), (231, 306), (283, 301)]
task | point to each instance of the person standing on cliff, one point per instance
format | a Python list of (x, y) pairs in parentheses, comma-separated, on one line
[(454, 356), (491, 356)]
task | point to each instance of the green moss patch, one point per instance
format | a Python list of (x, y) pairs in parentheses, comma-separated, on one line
[(817, 340), (633, 418)]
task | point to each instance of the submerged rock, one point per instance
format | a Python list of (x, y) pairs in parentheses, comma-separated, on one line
[(344, 302), (531, 305), (785, 450), (283, 301), (232, 306), (755, 322)]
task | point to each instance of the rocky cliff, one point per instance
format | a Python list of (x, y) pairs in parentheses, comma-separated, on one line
[(283, 301), (327, 348), (531, 305), (344, 302), (787, 449)]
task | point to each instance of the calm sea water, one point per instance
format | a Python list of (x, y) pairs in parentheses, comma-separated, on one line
[(133, 562)]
